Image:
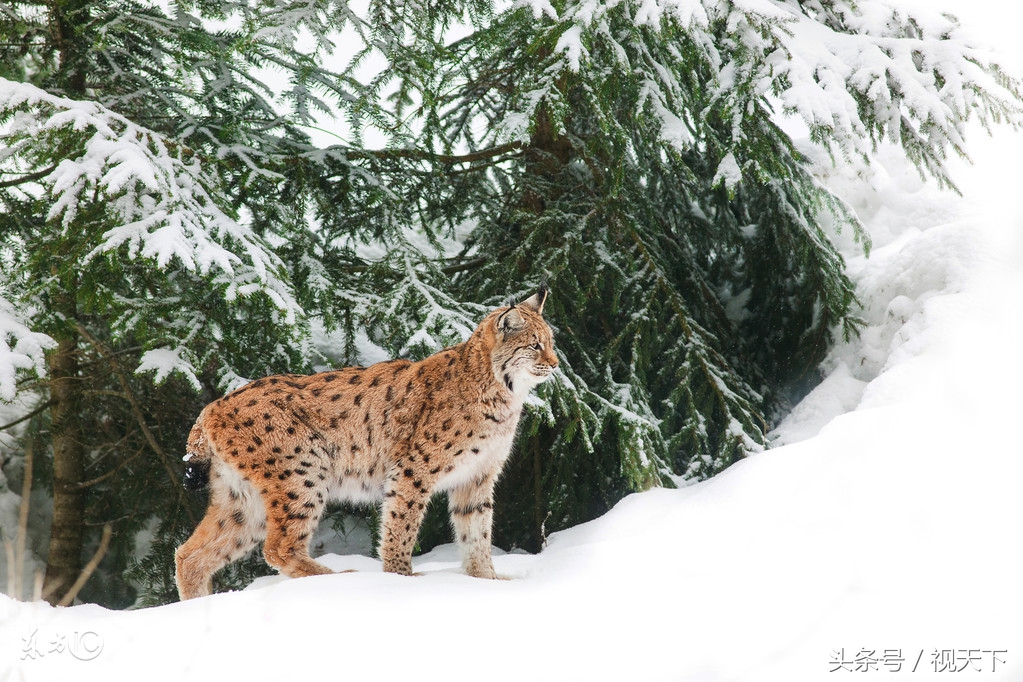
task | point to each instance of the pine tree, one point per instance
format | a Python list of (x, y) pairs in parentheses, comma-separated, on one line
[(170, 228), (133, 145), (631, 154)]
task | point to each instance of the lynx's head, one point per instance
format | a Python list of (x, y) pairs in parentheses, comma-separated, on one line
[(523, 345)]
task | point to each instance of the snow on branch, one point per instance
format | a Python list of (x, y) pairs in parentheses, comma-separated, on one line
[(165, 361), (856, 73), (155, 193), (860, 73), (21, 349), (438, 311)]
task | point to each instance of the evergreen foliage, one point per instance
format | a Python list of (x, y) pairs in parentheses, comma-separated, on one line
[(167, 217)]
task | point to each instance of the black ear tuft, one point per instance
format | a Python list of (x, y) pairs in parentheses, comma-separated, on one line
[(536, 301), (542, 292)]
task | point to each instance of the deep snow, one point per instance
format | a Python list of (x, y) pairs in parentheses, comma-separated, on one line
[(885, 520)]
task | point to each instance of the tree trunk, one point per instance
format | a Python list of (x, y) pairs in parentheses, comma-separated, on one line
[(67, 530), (65, 16), (547, 154), (64, 561)]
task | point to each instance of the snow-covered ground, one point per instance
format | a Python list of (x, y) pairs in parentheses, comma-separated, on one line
[(879, 538)]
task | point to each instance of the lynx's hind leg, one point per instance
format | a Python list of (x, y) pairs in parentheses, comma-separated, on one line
[(233, 525)]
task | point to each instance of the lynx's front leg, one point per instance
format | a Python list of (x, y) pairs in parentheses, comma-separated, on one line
[(401, 514), (472, 517)]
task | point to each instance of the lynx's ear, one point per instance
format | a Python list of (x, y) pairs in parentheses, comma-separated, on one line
[(510, 321), (536, 301)]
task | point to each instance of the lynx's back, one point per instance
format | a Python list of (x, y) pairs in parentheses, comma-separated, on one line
[(278, 449)]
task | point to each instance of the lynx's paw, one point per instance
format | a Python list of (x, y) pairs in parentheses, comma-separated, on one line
[(481, 571)]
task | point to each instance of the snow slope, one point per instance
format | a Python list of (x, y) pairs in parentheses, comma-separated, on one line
[(885, 521)]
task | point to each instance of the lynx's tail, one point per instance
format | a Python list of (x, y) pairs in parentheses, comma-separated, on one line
[(197, 457)]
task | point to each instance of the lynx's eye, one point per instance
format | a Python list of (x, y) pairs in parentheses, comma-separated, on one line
[(537, 347)]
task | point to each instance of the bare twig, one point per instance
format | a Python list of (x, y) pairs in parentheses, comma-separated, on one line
[(14, 549), (86, 573), (26, 493), (29, 415), (11, 569), (102, 477), (543, 530), (136, 408)]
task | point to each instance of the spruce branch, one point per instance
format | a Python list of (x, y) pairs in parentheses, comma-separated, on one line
[(471, 264), (30, 177), (505, 150)]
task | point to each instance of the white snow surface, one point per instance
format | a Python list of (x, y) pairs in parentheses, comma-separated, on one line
[(882, 526)]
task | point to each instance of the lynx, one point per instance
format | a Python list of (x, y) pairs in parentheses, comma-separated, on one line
[(275, 451)]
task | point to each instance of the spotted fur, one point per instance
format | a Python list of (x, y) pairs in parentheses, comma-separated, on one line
[(278, 449)]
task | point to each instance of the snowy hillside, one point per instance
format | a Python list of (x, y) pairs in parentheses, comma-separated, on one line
[(878, 539), (888, 539)]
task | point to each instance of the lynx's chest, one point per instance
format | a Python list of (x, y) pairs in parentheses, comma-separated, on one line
[(488, 460)]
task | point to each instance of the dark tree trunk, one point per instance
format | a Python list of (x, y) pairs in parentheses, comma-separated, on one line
[(67, 16), (548, 153), (67, 530), (64, 562)]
